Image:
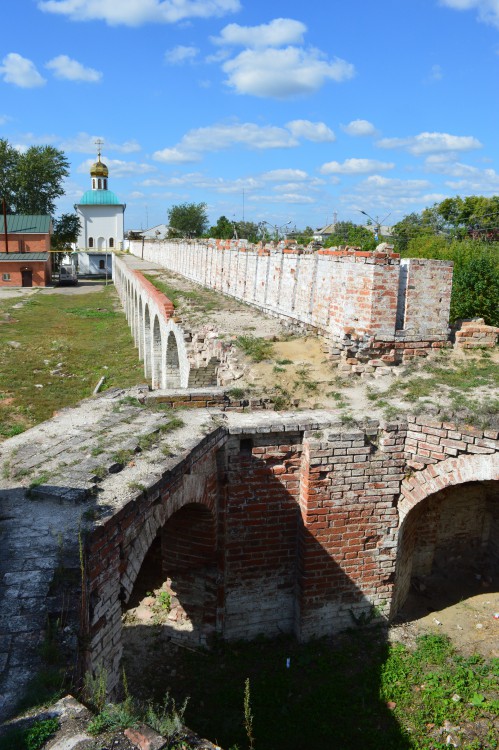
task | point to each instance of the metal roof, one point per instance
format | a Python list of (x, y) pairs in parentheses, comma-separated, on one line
[(25, 257), (24, 224), (99, 198)]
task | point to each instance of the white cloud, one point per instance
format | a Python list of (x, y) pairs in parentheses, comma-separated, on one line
[(359, 128), (274, 63), (71, 70), (297, 198), (311, 131), (276, 175), (469, 178), (119, 168), (436, 73), (277, 33), (85, 143), (180, 54), (283, 73), (20, 71), (355, 166), (488, 10), (427, 143), (137, 12), (249, 135)]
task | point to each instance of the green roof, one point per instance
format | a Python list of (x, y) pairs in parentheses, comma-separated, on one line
[(99, 197), (25, 257), (24, 224)]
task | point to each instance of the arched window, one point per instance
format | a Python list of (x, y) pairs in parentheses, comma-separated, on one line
[(111, 242), (105, 184), (93, 183), (101, 265), (90, 241), (99, 183)]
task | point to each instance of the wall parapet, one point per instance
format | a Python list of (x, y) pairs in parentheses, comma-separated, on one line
[(352, 297)]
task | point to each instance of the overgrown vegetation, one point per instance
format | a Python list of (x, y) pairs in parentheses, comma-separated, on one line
[(31, 738), (454, 383), (183, 299), (463, 230), (354, 692), (163, 716), (257, 349), (62, 346)]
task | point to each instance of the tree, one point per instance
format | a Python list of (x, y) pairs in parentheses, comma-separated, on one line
[(187, 220), (9, 158), (248, 230), (475, 290), (65, 233), (32, 181), (348, 233), (223, 229)]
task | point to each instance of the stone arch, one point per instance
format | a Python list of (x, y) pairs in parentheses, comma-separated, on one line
[(140, 326), (147, 342), (172, 362), (156, 353), (136, 317), (451, 503), (101, 243)]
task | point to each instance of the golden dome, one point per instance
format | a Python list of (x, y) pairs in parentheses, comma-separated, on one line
[(99, 169)]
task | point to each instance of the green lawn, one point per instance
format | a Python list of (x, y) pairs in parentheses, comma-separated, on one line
[(66, 344)]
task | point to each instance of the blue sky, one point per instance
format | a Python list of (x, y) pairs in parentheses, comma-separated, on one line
[(284, 110)]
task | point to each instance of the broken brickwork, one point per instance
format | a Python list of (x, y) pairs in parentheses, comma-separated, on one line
[(371, 307), (302, 527)]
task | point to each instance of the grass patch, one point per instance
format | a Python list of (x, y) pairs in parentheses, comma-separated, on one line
[(257, 349), (66, 344), (356, 691), (32, 738), (199, 300)]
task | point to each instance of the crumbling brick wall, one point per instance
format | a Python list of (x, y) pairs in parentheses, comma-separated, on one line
[(358, 300)]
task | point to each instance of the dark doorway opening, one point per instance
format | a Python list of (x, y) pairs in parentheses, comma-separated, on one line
[(27, 276)]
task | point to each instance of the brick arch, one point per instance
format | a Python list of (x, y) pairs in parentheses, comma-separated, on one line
[(452, 471), (423, 498), (193, 492)]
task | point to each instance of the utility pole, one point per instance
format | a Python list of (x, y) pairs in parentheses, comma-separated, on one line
[(4, 208), (377, 223)]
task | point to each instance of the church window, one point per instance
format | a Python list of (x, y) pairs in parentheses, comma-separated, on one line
[(99, 183), (93, 183), (90, 241), (105, 184), (111, 242), (101, 264)]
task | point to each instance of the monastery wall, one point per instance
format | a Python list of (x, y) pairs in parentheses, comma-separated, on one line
[(367, 305)]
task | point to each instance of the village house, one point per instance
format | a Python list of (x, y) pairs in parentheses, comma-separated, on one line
[(25, 258)]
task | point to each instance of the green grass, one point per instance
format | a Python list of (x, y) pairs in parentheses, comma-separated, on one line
[(356, 691), (32, 738), (199, 300), (257, 349), (84, 333)]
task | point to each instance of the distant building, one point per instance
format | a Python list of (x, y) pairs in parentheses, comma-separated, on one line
[(102, 224), (25, 258), (322, 234)]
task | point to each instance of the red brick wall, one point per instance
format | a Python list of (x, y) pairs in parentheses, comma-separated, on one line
[(307, 528), (25, 243), (261, 523), (41, 272)]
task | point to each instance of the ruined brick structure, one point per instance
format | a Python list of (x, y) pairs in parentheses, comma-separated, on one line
[(173, 355), (301, 526), (370, 306)]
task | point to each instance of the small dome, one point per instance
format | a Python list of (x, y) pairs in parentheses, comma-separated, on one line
[(99, 169)]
